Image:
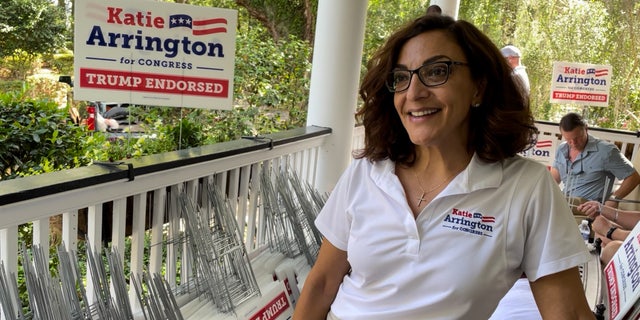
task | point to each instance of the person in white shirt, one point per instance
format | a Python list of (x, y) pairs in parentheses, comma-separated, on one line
[(438, 215), (514, 56)]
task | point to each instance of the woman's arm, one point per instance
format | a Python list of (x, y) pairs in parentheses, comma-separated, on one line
[(322, 283), (561, 296), (603, 227), (626, 219)]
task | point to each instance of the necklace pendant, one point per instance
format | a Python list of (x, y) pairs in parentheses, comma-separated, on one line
[(421, 199)]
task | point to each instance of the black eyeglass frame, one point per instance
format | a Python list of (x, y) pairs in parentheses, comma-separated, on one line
[(416, 71)]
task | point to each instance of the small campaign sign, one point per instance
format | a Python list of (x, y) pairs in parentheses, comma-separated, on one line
[(580, 84), (544, 151), (622, 276), (154, 53), (274, 304)]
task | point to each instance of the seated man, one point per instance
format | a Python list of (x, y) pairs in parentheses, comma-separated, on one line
[(586, 165)]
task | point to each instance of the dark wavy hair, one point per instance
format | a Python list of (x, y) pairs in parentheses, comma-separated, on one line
[(500, 127)]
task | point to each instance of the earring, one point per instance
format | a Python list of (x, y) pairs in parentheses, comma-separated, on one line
[(476, 105)]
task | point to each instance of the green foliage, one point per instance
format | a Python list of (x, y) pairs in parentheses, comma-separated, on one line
[(596, 32), (62, 62), (20, 64), (383, 18), (37, 138), (187, 134), (283, 18), (12, 86), (274, 79), (42, 87), (33, 26), (46, 87)]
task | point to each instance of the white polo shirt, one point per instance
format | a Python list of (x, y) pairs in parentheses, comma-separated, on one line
[(463, 252)]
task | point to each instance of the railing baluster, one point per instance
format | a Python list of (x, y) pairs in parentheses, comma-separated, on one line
[(94, 237), (186, 259), (118, 225), (137, 242), (173, 236), (41, 234), (243, 200), (70, 230), (157, 230), (233, 185), (9, 254), (253, 235)]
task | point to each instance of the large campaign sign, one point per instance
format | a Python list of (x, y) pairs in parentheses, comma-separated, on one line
[(154, 53), (581, 84)]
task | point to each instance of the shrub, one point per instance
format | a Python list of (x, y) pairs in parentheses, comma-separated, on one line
[(37, 137)]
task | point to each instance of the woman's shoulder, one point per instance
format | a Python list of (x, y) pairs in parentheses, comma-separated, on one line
[(362, 167), (367, 164)]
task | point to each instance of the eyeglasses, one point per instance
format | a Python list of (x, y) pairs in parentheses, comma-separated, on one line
[(431, 75)]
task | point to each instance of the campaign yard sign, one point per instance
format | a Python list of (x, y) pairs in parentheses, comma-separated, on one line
[(274, 304), (622, 275), (154, 53), (581, 84), (544, 151)]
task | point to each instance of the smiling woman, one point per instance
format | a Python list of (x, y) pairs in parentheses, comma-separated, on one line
[(440, 166)]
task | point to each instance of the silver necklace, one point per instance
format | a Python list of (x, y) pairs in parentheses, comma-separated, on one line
[(421, 198)]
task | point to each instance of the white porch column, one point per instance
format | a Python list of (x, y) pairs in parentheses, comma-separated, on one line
[(449, 7), (335, 77)]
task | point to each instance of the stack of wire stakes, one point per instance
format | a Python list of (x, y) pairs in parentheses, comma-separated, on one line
[(210, 244)]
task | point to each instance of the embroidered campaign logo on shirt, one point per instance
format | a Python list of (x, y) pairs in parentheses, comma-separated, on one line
[(470, 222)]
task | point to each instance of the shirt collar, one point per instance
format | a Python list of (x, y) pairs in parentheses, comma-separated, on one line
[(476, 176)]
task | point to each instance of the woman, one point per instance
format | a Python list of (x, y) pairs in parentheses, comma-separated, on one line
[(438, 216)]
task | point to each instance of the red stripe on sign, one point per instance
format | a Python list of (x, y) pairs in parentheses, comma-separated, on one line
[(612, 288), (152, 82), (544, 143), (209, 21), (209, 31), (273, 309)]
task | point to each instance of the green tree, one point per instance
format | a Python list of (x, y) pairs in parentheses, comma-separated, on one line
[(29, 28), (33, 26), (283, 18), (596, 32), (279, 18), (383, 18)]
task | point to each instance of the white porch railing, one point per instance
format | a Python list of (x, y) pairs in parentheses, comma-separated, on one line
[(147, 187), (144, 187)]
